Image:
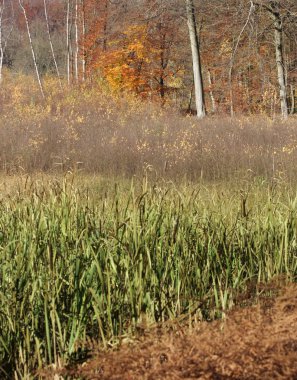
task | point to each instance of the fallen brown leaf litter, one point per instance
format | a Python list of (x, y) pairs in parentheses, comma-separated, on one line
[(255, 342)]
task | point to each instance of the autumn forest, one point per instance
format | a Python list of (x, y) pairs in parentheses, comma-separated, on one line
[(148, 203), (247, 49)]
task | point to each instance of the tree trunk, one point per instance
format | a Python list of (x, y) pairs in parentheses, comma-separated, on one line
[(213, 102), (76, 51), (232, 60), (162, 90), (83, 41), (198, 83), (51, 43), (189, 108), (292, 111), (68, 41), (278, 43), (32, 49)]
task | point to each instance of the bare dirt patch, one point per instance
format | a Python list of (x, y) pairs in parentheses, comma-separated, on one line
[(254, 342)]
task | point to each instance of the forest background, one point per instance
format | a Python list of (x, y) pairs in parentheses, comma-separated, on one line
[(247, 48)]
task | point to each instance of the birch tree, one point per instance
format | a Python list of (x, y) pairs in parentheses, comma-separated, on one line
[(279, 58), (83, 40), (273, 9), (51, 43), (32, 48), (76, 49), (68, 41), (197, 73), (234, 51)]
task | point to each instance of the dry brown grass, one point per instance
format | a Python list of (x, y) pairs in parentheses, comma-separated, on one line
[(256, 342), (87, 129)]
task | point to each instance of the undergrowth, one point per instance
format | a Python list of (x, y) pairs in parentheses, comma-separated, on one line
[(86, 128)]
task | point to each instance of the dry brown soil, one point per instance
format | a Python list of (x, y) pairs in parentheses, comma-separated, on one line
[(254, 342)]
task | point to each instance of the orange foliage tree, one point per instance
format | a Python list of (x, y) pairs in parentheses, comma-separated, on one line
[(139, 59)]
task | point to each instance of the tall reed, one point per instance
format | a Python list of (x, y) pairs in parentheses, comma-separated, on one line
[(88, 264)]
